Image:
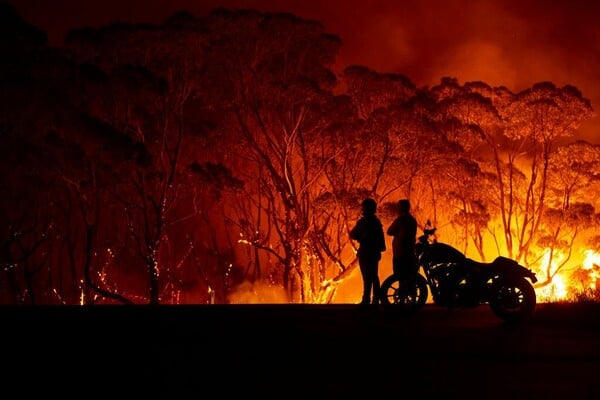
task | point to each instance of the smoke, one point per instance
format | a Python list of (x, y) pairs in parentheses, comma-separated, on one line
[(502, 43), (511, 44), (258, 293)]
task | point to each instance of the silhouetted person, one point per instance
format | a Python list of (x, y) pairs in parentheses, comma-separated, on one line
[(368, 231), (404, 231)]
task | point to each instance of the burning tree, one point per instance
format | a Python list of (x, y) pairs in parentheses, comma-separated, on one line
[(572, 176), (171, 162), (470, 119), (152, 81), (275, 84), (537, 119)]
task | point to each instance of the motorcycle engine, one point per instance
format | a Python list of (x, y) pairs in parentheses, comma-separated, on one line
[(452, 285)]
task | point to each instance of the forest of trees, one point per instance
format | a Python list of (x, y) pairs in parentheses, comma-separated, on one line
[(171, 163)]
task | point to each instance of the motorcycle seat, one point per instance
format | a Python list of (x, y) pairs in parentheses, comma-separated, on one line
[(477, 266)]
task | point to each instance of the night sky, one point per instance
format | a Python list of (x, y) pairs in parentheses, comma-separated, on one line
[(509, 43)]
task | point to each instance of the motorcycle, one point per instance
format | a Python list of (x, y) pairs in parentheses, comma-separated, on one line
[(457, 281)]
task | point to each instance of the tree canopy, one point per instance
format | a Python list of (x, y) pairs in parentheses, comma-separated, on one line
[(179, 162)]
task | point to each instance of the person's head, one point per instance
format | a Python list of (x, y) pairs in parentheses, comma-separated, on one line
[(404, 206), (369, 206)]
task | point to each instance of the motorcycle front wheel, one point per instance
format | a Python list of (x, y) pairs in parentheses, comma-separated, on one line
[(404, 295), (512, 300)]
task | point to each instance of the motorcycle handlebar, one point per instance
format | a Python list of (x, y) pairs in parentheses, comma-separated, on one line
[(428, 230)]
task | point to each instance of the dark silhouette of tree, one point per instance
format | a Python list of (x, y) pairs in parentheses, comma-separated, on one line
[(371, 90), (213, 250), (274, 77), (154, 77), (31, 78)]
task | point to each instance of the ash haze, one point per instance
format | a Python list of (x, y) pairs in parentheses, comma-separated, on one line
[(500, 42)]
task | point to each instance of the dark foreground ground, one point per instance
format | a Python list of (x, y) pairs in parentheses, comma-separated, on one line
[(298, 351)]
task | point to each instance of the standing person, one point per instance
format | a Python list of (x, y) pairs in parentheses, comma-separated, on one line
[(404, 231), (368, 231)]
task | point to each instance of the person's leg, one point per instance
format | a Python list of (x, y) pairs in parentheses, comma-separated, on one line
[(370, 267), (396, 266), (401, 273), (376, 283), (364, 271)]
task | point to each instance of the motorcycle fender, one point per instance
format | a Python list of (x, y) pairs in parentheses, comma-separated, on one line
[(509, 268)]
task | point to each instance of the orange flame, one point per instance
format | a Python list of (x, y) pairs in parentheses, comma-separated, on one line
[(592, 263)]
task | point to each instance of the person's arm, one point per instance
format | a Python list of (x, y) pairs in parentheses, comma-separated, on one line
[(391, 231), (381, 239), (357, 232)]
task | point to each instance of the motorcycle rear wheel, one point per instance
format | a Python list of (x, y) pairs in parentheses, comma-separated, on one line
[(513, 300), (404, 295)]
